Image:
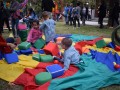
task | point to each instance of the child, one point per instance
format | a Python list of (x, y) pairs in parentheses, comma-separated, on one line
[(48, 27), (34, 33), (71, 55), (5, 47)]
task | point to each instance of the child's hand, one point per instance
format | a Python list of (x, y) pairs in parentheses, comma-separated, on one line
[(11, 45), (54, 57)]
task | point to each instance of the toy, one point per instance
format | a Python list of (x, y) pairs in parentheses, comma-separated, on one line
[(55, 70), (42, 78), (56, 62), (46, 58), (11, 58), (116, 66)]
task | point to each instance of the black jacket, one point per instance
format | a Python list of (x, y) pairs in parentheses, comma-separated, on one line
[(47, 5)]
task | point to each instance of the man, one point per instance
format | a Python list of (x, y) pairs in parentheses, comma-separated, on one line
[(101, 13)]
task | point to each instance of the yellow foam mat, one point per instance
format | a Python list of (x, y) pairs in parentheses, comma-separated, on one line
[(10, 72)]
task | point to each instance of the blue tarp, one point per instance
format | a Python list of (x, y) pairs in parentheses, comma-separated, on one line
[(106, 58)]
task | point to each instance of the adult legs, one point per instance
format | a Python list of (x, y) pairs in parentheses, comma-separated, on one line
[(1, 26), (116, 19), (74, 21), (101, 22), (6, 20), (15, 27), (78, 20)]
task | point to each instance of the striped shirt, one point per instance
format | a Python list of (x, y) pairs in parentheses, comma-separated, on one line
[(17, 6)]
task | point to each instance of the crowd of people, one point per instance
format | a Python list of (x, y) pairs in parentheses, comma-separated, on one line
[(75, 13)]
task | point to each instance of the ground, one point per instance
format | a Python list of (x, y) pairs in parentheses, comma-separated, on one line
[(66, 29)]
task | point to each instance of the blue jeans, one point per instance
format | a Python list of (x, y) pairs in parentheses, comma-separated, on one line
[(15, 30)]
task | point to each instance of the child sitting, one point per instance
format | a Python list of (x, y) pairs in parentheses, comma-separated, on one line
[(5, 47), (71, 55), (34, 33), (48, 27)]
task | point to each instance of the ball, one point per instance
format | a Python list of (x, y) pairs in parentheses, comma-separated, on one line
[(56, 61)]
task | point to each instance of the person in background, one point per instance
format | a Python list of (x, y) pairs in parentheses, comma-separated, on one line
[(6, 16), (15, 15), (6, 47), (115, 13), (76, 15), (70, 56), (30, 17), (89, 13), (101, 13), (47, 5), (1, 17), (48, 27), (34, 33), (66, 13), (70, 18), (83, 14)]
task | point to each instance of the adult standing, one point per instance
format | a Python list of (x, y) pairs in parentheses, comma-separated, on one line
[(115, 13), (101, 13), (15, 8), (76, 15), (1, 16), (48, 5), (6, 16), (83, 14)]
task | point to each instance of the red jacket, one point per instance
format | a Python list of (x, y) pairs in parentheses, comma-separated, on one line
[(4, 48)]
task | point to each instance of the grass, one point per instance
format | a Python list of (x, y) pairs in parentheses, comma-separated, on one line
[(85, 30), (65, 29)]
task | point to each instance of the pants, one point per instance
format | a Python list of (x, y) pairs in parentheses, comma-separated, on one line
[(83, 19), (1, 26), (66, 20), (15, 27), (116, 20), (76, 19), (6, 20), (70, 19), (101, 22)]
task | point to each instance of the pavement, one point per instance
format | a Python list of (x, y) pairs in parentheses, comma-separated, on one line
[(93, 22)]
